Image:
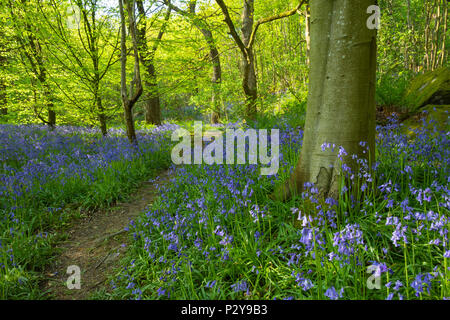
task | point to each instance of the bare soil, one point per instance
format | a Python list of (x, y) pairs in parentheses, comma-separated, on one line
[(96, 243)]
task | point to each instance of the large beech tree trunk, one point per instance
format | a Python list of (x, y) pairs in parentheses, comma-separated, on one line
[(341, 98)]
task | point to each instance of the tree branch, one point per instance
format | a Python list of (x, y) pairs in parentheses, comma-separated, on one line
[(270, 19), (232, 28)]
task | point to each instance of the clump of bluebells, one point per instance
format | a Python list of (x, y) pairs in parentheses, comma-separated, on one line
[(215, 234), (46, 175)]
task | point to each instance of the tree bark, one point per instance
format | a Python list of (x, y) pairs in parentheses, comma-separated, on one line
[(147, 55), (341, 98), (51, 120), (248, 61), (94, 54), (152, 102), (307, 32), (128, 102), (101, 115), (216, 78), (444, 34), (3, 96)]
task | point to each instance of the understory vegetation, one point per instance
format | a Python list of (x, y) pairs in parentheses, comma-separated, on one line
[(48, 178), (215, 234)]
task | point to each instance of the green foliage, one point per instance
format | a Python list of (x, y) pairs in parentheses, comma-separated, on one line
[(391, 87), (287, 109)]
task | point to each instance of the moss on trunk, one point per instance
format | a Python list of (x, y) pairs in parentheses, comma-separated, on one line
[(428, 88)]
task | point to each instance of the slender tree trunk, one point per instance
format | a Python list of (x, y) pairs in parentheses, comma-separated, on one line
[(152, 101), (216, 113), (42, 77), (98, 105), (100, 111), (408, 22), (341, 98), (129, 122), (430, 34), (435, 44), (307, 32), (249, 83), (128, 101), (3, 60), (147, 55), (3, 100), (444, 35), (101, 115), (51, 120), (3, 97), (216, 78)]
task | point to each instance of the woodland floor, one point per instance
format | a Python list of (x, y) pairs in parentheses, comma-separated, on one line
[(95, 244)]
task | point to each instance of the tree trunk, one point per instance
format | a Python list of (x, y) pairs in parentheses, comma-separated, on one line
[(51, 120), (128, 101), (147, 55), (101, 116), (103, 125), (99, 110), (307, 32), (3, 100), (408, 23), (216, 78), (129, 122), (444, 34), (249, 83), (152, 102), (341, 98), (3, 97)]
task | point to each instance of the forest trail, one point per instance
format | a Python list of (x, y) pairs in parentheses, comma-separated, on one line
[(94, 244)]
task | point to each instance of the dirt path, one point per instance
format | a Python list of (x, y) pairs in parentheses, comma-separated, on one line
[(94, 244)]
